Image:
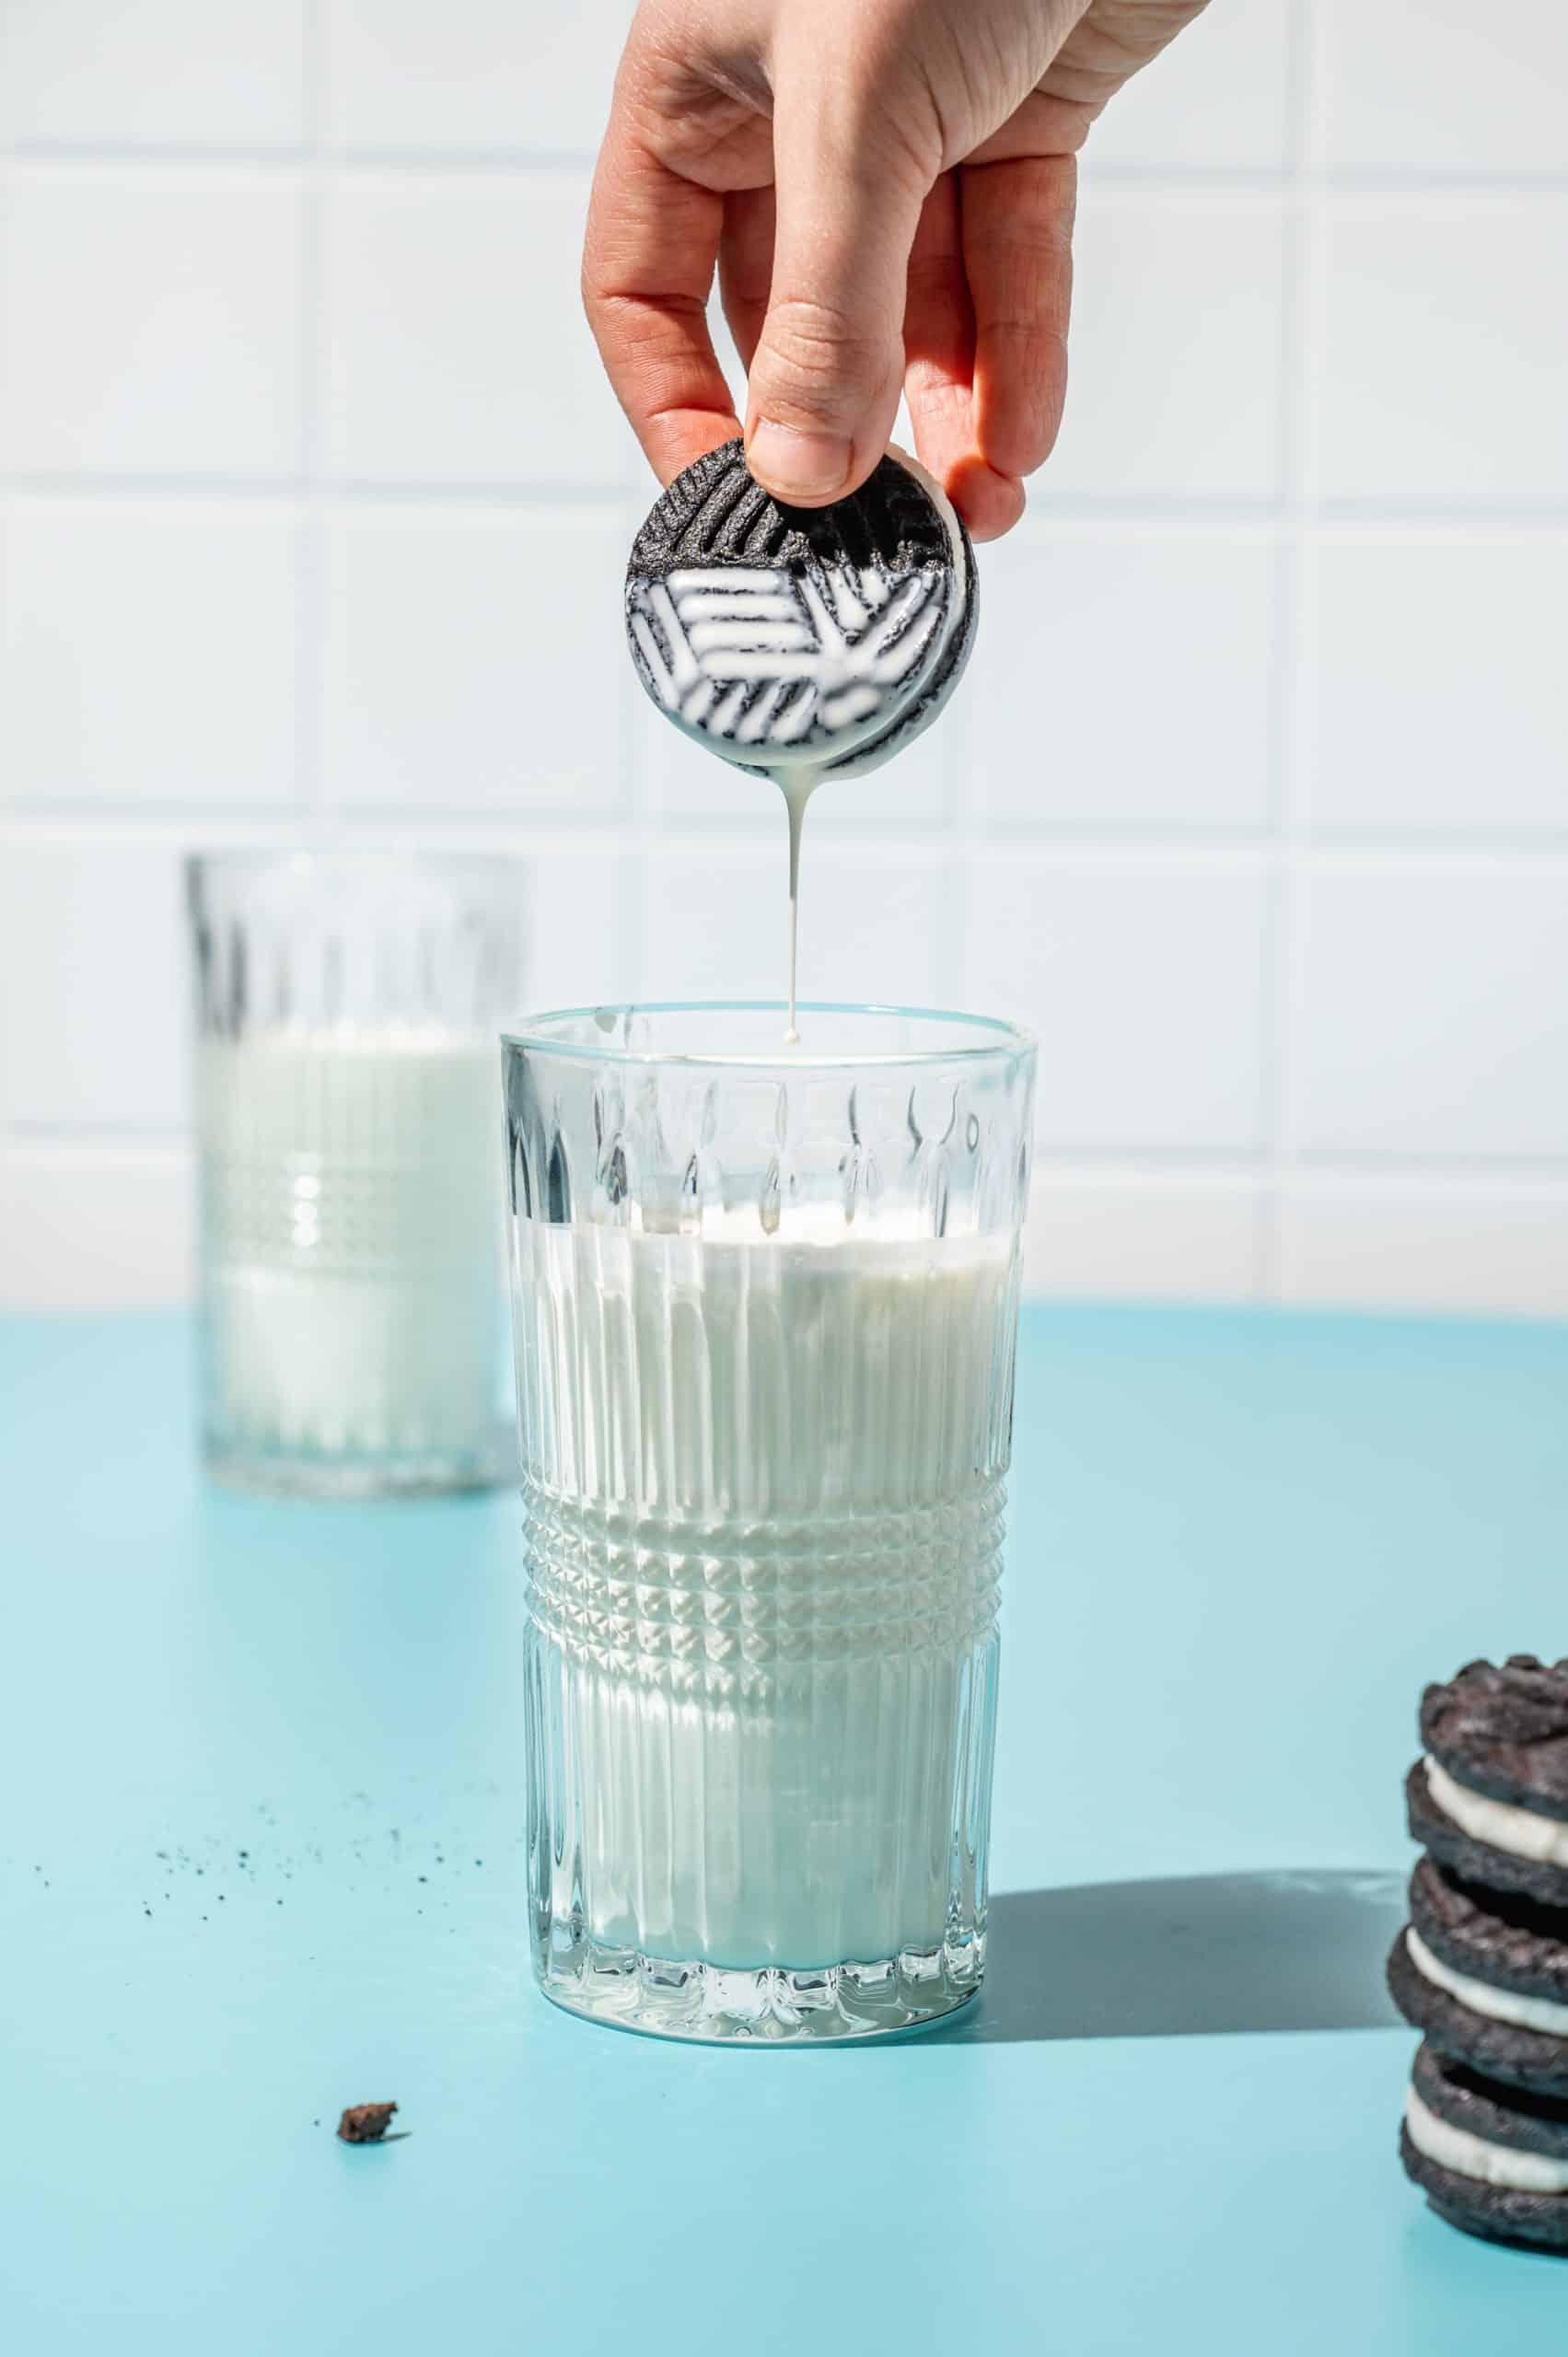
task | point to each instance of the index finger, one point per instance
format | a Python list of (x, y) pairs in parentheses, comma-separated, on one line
[(648, 263)]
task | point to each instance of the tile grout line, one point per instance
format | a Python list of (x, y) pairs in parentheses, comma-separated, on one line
[(1294, 673), (1334, 518), (44, 159), (65, 822), (311, 597)]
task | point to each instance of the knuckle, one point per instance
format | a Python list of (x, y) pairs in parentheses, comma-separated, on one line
[(816, 355)]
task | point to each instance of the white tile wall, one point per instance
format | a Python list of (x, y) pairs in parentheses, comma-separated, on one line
[(1501, 1245), (152, 322), (187, 73), (1143, 978), (1151, 651), (1440, 87), (407, 78), (1177, 304), (1435, 1016), (456, 348), (93, 1227), (1108, 1230), (312, 508), (1222, 99), (1445, 367), (149, 650), (867, 912), (1438, 699), (90, 976), (426, 701)]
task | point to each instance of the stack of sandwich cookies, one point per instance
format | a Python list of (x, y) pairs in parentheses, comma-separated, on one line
[(1482, 1965)]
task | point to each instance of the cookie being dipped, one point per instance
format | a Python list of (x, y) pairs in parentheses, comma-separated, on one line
[(793, 638)]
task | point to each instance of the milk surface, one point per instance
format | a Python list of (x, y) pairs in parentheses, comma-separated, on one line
[(763, 1488), (353, 1290)]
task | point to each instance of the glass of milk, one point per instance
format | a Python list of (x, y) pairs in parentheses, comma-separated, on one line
[(765, 1306), (351, 1177)]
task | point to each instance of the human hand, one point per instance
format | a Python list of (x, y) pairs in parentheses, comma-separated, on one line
[(887, 189)]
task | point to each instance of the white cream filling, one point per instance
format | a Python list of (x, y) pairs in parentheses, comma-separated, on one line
[(1467, 2155), (1498, 2004), (1518, 1830)]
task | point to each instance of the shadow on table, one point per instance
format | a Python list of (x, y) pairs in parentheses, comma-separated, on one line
[(1195, 1955)]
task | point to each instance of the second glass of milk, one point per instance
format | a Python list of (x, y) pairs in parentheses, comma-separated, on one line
[(765, 1304), (352, 1256)]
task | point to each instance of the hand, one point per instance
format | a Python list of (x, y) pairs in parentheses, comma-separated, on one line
[(887, 189)]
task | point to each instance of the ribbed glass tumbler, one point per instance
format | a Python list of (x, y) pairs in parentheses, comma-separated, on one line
[(353, 1289), (765, 1308)]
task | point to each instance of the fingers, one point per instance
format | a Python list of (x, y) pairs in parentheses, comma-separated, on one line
[(1017, 243), (647, 265), (824, 381), (939, 350), (746, 266)]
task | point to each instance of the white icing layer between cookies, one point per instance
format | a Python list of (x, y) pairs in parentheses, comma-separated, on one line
[(1518, 1830), (1467, 2155), (1498, 2004)]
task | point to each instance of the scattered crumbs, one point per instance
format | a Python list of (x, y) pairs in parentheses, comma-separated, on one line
[(365, 2124)]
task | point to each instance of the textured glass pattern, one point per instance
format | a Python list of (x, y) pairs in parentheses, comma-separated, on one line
[(351, 1266), (765, 1317)]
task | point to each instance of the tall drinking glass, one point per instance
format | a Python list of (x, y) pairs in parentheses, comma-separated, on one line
[(351, 1233), (765, 1303)]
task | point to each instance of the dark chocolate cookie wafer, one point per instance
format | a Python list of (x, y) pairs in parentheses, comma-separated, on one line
[(1466, 1961), (1490, 2161), (1479, 1863), (783, 637), (1504, 1731)]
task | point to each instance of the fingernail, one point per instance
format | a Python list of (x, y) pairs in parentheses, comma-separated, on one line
[(794, 465)]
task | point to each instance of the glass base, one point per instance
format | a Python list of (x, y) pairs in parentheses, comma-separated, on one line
[(713, 2004), (304, 1473)]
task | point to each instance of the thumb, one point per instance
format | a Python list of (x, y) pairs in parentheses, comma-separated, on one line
[(824, 390)]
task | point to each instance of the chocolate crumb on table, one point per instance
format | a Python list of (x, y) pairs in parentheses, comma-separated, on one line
[(365, 2124)]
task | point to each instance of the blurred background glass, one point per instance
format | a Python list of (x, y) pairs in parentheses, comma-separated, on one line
[(350, 1169)]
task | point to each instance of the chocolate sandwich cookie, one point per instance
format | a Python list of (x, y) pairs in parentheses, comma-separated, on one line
[(790, 637), (1491, 2160), (1486, 1977), (1491, 1797)]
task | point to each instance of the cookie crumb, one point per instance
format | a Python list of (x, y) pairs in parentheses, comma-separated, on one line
[(365, 2124)]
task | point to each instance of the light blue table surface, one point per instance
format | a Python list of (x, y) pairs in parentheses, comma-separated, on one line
[(260, 1858)]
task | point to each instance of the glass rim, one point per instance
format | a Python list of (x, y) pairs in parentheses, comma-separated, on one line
[(1005, 1042)]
